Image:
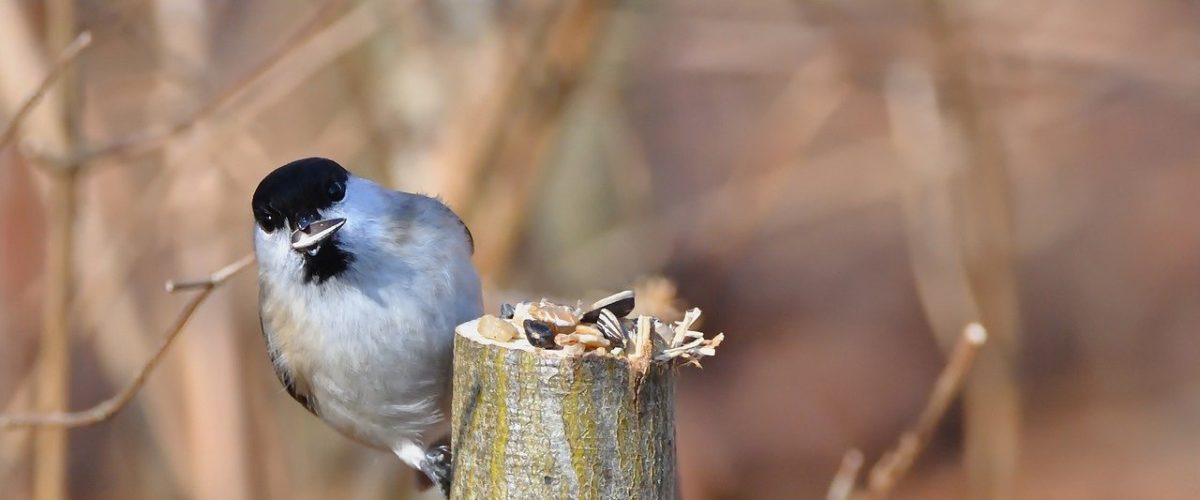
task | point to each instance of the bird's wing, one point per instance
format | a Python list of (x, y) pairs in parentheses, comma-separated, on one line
[(293, 382), (470, 239), (434, 210), (466, 230)]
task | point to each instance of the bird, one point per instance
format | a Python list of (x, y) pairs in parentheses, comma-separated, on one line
[(360, 289)]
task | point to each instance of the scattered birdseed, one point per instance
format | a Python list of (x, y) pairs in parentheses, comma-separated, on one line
[(602, 331)]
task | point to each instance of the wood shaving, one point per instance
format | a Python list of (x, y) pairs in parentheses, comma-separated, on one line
[(682, 326)]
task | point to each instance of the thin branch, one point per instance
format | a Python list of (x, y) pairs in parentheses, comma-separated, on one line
[(213, 280), (842, 485), (14, 446), (152, 139), (333, 41), (894, 464), (65, 59), (109, 407), (551, 74), (983, 218)]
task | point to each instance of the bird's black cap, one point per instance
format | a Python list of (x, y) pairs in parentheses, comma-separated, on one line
[(298, 190), (294, 195)]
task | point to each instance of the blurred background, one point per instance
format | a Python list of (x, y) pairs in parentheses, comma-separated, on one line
[(841, 186)]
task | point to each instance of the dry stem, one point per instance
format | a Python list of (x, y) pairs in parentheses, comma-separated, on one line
[(842, 485), (152, 139), (984, 218), (525, 127), (68, 56), (109, 407), (895, 463), (214, 279), (54, 354)]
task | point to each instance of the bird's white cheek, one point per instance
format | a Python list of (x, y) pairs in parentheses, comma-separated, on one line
[(275, 255)]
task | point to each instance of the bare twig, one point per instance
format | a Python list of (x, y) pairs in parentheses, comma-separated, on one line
[(983, 216), (14, 446), (842, 485), (894, 464), (65, 59), (109, 407), (783, 135), (215, 279), (298, 66), (152, 139), (477, 126), (516, 145)]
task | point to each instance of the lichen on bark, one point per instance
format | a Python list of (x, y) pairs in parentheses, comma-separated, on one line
[(536, 424)]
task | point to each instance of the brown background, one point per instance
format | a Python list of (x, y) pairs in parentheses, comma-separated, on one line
[(838, 185)]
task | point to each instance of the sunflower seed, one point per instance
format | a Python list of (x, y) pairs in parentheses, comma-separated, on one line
[(539, 334), (621, 304), (610, 327)]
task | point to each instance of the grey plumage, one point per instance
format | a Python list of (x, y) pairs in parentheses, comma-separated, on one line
[(366, 345)]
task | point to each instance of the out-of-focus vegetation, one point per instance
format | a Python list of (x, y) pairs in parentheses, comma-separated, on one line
[(840, 185)]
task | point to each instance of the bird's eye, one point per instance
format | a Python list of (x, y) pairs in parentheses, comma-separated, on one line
[(337, 191), (268, 221)]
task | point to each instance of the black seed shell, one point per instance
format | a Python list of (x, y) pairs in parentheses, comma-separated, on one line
[(539, 334), (621, 304), (610, 328), (506, 311)]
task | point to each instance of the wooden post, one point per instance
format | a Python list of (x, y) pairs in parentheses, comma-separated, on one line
[(533, 423)]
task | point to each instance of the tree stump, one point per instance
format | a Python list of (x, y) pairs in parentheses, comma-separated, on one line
[(540, 423)]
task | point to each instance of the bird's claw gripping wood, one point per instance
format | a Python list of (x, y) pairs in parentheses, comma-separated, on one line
[(437, 466)]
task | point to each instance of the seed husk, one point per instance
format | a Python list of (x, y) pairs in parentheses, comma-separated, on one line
[(621, 304), (560, 318), (539, 334), (610, 328)]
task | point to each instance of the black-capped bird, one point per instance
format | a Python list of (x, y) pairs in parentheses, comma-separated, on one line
[(360, 290)]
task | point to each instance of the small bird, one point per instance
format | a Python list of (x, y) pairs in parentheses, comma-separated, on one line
[(360, 288)]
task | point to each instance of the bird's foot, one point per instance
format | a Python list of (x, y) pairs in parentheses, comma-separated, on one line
[(438, 468)]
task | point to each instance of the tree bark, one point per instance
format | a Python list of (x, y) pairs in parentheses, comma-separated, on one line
[(539, 424)]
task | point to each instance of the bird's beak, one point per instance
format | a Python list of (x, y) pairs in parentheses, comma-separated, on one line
[(309, 236)]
